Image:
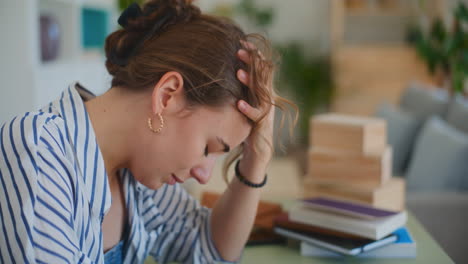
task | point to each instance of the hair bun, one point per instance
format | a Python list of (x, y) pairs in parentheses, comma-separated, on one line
[(173, 11), (141, 24), (132, 12), (185, 10)]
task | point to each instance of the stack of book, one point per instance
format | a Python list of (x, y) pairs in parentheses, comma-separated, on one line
[(329, 228), (350, 159)]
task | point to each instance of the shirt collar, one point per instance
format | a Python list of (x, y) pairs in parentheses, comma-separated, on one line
[(81, 136)]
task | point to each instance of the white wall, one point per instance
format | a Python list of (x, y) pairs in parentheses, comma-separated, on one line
[(16, 46), (27, 84), (305, 21)]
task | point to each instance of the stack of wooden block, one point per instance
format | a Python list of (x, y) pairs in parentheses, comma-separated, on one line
[(350, 159)]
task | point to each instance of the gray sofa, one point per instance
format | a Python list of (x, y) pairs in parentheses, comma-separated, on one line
[(428, 131)]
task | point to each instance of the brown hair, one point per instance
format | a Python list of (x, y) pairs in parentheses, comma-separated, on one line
[(202, 48)]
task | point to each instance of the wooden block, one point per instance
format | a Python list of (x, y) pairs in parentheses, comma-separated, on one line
[(348, 133), (266, 211), (390, 195), (372, 169)]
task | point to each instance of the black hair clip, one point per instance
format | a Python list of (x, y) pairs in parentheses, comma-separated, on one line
[(134, 11), (131, 12)]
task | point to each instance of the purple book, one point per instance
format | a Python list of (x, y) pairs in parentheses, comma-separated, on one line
[(347, 208)]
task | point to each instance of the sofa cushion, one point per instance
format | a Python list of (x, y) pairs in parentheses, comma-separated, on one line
[(424, 102), (439, 159), (402, 128), (457, 114), (445, 215)]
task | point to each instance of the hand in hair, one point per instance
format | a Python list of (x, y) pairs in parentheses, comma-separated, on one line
[(262, 116)]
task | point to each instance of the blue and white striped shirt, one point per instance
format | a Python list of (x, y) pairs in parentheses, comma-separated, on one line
[(54, 194)]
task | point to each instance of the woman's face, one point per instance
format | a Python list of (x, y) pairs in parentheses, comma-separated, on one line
[(180, 148)]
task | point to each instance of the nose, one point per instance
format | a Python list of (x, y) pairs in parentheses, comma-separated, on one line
[(202, 172)]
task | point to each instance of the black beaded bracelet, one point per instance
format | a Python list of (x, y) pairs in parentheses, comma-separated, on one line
[(245, 181)]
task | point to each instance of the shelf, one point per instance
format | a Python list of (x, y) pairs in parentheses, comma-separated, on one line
[(31, 83), (86, 57), (397, 13), (58, 2), (76, 61), (95, 26), (380, 7), (54, 77), (107, 4), (77, 3), (66, 14)]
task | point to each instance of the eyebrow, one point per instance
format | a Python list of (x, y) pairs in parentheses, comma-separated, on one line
[(226, 146)]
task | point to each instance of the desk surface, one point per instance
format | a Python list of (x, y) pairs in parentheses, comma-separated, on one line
[(428, 251)]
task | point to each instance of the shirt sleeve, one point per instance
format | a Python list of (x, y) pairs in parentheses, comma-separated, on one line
[(36, 198), (182, 226)]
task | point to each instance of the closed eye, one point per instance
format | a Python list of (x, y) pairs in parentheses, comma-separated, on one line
[(226, 148)]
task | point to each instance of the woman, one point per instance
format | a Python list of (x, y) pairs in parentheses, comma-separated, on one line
[(95, 179)]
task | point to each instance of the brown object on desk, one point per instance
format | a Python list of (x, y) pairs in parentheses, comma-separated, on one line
[(348, 133), (390, 196), (350, 159), (373, 169), (264, 220)]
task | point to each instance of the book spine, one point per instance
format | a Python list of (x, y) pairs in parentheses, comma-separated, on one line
[(407, 250), (324, 220)]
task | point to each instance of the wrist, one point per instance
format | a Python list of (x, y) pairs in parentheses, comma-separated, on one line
[(243, 179), (255, 161), (251, 170)]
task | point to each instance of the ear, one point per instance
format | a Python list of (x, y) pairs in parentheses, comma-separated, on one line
[(168, 93)]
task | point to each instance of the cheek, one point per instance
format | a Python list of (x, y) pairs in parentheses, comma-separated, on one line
[(186, 153), (177, 149), (174, 152), (145, 159), (186, 146)]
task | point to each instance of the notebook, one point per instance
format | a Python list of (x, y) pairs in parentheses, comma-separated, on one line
[(403, 247), (346, 246), (347, 217)]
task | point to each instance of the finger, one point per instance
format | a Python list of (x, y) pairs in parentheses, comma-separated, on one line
[(248, 45), (244, 56), (260, 54), (251, 46), (251, 112), (243, 76)]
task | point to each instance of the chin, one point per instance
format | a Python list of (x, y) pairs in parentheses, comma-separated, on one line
[(153, 185), (149, 180)]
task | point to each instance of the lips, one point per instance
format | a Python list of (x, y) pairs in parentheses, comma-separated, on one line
[(177, 179)]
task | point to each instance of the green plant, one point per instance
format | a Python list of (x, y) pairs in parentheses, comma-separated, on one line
[(309, 80), (446, 50), (122, 4), (261, 17)]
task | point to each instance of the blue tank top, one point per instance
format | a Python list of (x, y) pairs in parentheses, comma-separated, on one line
[(115, 254)]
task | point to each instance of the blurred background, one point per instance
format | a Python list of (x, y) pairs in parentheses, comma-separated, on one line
[(405, 61), (345, 56)]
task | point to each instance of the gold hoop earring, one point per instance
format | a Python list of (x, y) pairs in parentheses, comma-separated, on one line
[(150, 124)]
